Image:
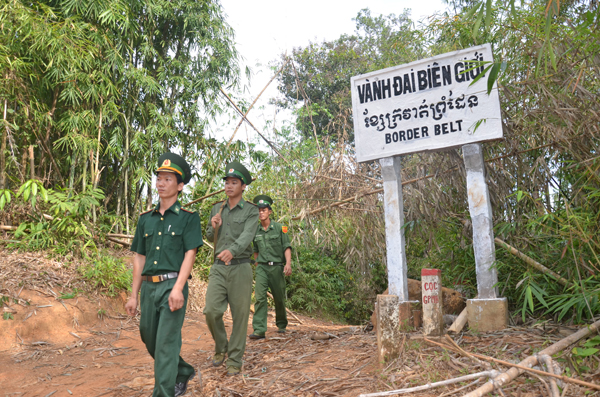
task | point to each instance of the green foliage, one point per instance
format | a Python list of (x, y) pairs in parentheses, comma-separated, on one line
[(582, 356), (69, 228), (7, 316), (321, 284), (107, 273), (5, 197), (30, 189)]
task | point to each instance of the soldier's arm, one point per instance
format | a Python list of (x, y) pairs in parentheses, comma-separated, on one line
[(138, 246)]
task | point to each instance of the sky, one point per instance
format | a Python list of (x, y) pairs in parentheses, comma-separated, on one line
[(265, 29)]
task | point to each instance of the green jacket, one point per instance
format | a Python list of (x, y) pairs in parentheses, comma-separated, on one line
[(164, 239), (271, 243), (237, 230)]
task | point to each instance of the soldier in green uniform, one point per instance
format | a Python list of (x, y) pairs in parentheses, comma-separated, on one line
[(273, 252), (232, 227), (165, 245)]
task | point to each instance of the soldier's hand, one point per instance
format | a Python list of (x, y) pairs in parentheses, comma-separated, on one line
[(176, 300), (216, 221), (225, 256), (287, 270), (131, 306)]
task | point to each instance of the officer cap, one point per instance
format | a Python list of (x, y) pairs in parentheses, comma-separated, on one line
[(263, 201), (237, 170), (171, 162)]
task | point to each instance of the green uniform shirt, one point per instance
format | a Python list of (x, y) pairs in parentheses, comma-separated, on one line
[(164, 239), (271, 243), (237, 230)]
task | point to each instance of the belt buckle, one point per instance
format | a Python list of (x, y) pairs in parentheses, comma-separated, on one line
[(156, 279), (270, 263)]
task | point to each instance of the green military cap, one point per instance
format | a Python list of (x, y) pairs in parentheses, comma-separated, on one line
[(171, 162), (263, 201), (237, 170)]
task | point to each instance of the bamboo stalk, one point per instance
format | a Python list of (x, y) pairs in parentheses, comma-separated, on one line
[(253, 127), (242, 120), (530, 361), (123, 243), (31, 163), (489, 374), (532, 262), (129, 236)]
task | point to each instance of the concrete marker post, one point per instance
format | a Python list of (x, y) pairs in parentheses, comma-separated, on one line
[(432, 298), (488, 312)]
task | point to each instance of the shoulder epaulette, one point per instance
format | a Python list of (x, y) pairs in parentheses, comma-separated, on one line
[(249, 202), (217, 202), (144, 213), (191, 212)]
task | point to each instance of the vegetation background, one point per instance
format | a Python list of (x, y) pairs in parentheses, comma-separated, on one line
[(93, 92)]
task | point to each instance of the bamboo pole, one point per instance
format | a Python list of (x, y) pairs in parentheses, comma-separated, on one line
[(523, 366), (478, 375), (118, 235), (532, 262), (31, 163), (242, 120), (530, 361), (253, 127), (123, 243)]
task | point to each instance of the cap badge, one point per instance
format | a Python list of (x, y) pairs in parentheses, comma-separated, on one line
[(261, 201), (166, 163), (231, 170)]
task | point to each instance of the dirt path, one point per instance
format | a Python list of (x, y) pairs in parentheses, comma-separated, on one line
[(58, 344), (45, 350)]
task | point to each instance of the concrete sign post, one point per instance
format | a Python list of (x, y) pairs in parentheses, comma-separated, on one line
[(432, 298), (427, 105), (394, 227), (488, 312)]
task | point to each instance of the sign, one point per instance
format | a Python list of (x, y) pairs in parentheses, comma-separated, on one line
[(425, 105)]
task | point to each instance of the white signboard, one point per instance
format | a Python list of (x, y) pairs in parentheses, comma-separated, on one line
[(425, 105)]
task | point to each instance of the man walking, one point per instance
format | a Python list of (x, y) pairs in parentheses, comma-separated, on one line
[(232, 228), (165, 245), (273, 253)]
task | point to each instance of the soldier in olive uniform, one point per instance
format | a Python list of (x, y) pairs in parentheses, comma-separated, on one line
[(232, 228), (165, 245), (273, 252)]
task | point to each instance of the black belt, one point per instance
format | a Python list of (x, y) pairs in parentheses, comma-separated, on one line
[(270, 263), (232, 262), (162, 277)]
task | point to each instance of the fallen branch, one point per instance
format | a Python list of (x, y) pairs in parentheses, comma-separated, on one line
[(530, 361), (2, 227), (286, 309), (532, 262), (115, 240), (129, 236), (489, 374)]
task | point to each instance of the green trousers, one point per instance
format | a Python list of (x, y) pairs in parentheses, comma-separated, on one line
[(269, 277), (229, 285), (160, 329)]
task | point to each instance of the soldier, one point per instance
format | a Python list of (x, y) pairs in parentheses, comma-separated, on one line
[(272, 250), (232, 228), (165, 245)]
